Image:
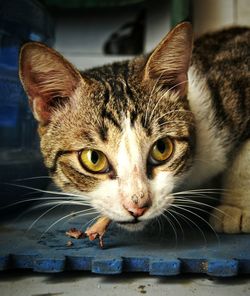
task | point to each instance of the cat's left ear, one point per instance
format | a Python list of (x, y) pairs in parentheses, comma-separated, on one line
[(169, 62), (48, 79)]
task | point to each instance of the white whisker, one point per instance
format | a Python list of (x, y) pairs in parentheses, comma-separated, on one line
[(173, 111), (91, 221), (183, 122), (204, 190), (59, 198), (199, 217), (54, 206), (32, 178), (150, 98), (65, 217), (198, 209), (179, 224), (159, 224), (170, 210), (173, 227), (201, 204), (47, 191), (158, 102), (192, 222)]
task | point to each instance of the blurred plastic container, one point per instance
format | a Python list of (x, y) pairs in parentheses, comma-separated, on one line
[(20, 21)]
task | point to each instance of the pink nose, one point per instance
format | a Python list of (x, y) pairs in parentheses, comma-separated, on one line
[(137, 212)]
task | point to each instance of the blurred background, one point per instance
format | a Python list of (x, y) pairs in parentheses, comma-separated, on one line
[(88, 33)]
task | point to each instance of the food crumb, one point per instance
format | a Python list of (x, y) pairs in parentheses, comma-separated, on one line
[(69, 243), (75, 233)]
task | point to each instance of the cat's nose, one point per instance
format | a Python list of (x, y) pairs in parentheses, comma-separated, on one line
[(137, 212), (137, 203)]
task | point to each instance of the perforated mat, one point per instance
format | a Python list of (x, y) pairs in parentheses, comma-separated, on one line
[(160, 252)]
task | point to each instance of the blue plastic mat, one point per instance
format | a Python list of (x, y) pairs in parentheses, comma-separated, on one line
[(157, 253)]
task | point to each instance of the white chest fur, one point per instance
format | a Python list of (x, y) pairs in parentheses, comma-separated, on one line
[(211, 151)]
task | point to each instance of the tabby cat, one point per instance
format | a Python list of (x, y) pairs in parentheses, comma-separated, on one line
[(131, 136)]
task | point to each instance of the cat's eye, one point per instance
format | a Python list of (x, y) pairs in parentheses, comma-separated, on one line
[(94, 161), (161, 151)]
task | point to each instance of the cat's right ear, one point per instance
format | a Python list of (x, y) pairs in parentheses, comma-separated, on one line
[(168, 64), (48, 79)]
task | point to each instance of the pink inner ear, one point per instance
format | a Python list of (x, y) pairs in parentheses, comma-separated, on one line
[(43, 107), (41, 110), (180, 84)]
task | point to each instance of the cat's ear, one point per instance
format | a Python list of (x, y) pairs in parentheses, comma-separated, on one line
[(169, 62), (48, 79)]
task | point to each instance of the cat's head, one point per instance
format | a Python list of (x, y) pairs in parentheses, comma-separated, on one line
[(121, 135)]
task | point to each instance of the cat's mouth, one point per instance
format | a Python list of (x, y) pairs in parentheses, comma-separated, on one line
[(135, 221), (134, 225)]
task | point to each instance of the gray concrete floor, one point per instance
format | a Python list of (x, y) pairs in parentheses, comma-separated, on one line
[(27, 283)]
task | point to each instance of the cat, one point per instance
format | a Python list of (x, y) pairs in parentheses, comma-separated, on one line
[(131, 137)]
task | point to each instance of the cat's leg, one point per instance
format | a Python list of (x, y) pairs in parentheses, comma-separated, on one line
[(233, 215)]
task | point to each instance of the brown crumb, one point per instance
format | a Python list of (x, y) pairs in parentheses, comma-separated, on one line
[(75, 233), (69, 243)]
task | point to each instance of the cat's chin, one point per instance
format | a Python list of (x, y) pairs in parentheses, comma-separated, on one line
[(130, 226)]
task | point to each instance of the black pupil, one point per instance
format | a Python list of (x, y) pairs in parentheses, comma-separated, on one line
[(94, 157), (161, 146)]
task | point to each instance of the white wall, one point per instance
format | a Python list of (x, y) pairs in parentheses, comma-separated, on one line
[(213, 14)]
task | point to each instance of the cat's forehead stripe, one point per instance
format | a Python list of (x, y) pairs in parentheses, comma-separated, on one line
[(103, 133), (112, 118), (121, 96)]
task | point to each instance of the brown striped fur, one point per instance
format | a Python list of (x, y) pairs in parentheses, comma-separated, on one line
[(223, 57)]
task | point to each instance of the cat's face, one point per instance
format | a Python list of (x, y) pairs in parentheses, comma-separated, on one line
[(121, 135)]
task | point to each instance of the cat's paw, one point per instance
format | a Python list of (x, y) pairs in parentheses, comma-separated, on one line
[(229, 219)]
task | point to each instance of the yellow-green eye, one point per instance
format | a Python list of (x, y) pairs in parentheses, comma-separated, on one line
[(94, 161), (161, 151)]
